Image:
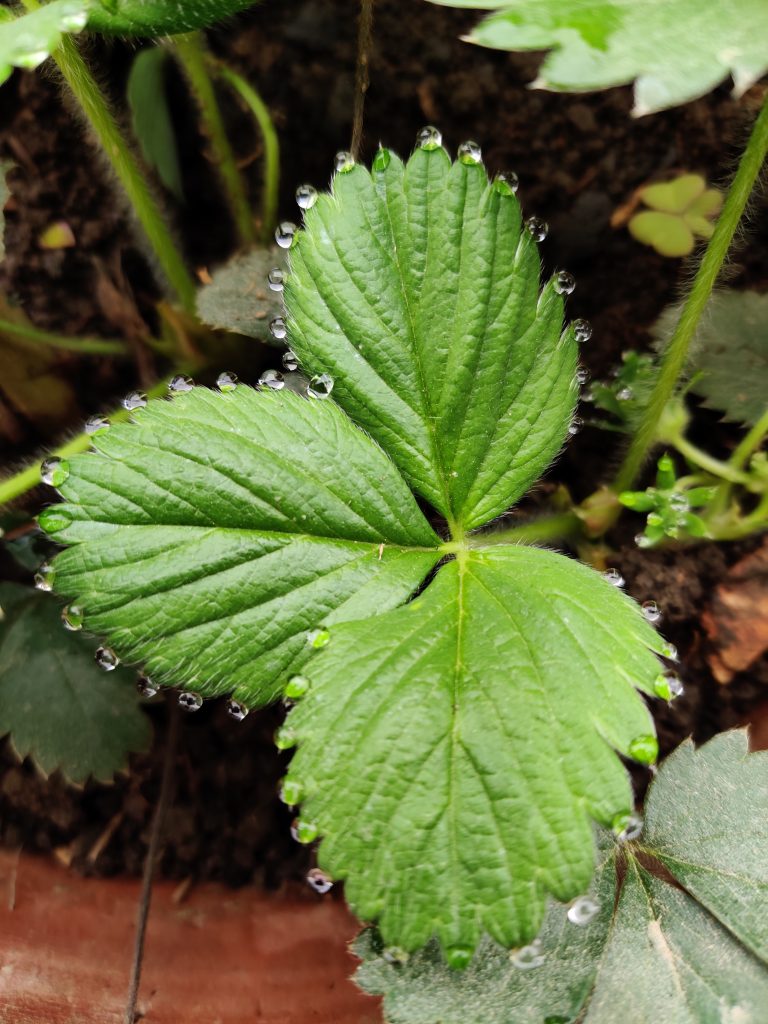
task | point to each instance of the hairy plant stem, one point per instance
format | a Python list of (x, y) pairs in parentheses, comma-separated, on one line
[(739, 457), (674, 358), (91, 101), (191, 52), (28, 478), (155, 837), (262, 116), (34, 337), (724, 470)]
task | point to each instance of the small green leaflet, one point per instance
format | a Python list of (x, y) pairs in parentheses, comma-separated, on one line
[(729, 355), (674, 50), (26, 41), (458, 732), (151, 117), (159, 17), (683, 956), (679, 211), (58, 706)]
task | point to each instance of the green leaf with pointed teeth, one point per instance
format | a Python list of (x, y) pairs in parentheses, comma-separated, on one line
[(417, 288)]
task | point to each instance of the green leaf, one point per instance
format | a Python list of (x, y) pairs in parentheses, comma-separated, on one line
[(210, 537), (674, 196), (729, 361), (680, 209), (667, 233), (238, 299), (26, 41), (151, 117), (674, 50), (452, 752), (58, 706), (652, 951), (160, 17), (417, 290)]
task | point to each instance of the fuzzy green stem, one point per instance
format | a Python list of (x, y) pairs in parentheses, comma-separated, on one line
[(191, 52), (741, 453), (548, 528), (709, 463), (260, 112), (96, 111), (28, 478), (34, 337), (676, 352)]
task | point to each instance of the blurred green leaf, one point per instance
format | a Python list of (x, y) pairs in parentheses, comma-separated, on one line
[(151, 117), (26, 41)]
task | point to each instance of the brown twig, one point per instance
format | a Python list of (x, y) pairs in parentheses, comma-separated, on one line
[(155, 838), (362, 81)]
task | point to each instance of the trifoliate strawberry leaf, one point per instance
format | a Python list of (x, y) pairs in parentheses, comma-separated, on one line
[(680, 210), (26, 41), (636, 941), (159, 17), (729, 356), (417, 288), (213, 536), (454, 750), (674, 50), (239, 297), (57, 705)]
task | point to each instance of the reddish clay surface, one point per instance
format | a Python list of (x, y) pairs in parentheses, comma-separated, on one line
[(218, 957)]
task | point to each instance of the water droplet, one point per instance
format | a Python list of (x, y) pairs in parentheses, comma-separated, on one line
[(582, 330), (625, 394), (319, 881), (565, 283), (470, 153), (236, 710), (134, 400), (627, 826), (180, 383), (396, 955), (145, 687), (429, 138), (73, 616), (644, 749), (614, 576), (272, 379), (190, 701), (667, 685), (320, 386), (537, 228), (306, 196), (53, 519), (226, 381), (651, 612), (285, 234), (296, 687), (318, 638), (291, 792), (575, 426), (343, 162), (285, 738), (54, 471), (582, 910), (527, 957), (508, 181), (96, 424), (290, 361), (277, 328), (679, 502), (669, 651), (642, 541), (582, 375), (45, 577), (106, 659), (458, 957), (304, 831), (276, 279), (382, 159)]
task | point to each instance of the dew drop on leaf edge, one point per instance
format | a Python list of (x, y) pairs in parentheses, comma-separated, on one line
[(429, 138), (507, 183), (304, 832), (651, 612), (469, 153), (145, 687), (272, 379), (290, 361), (614, 577), (278, 328), (306, 196), (180, 384), (319, 881), (343, 162), (627, 826), (285, 234), (382, 160), (537, 228), (320, 386), (668, 686), (527, 957), (565, 283), (644, 749), (236, 710), (582, 910), (73, 617), (96, 424), (296, 687), (276, 279), (458, 957), (106, 658), (291, 792), (190, 701), (318, 638), (285, 738), (54, 471), (582, 330), (134, 400), (226, 382), (45, 577)]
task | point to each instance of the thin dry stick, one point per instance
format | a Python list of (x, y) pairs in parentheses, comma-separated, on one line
[(362, 81), (155, 837)]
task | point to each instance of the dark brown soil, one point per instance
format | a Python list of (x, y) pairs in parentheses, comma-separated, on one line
[(578, 158)]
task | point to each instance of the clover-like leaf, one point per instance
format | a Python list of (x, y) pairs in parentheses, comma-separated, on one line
[(159, 17), (674, 50), (26, 41), (57, 705), (239, 297), (674, 928), (680, 211), (457, 747), (729, 355)]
